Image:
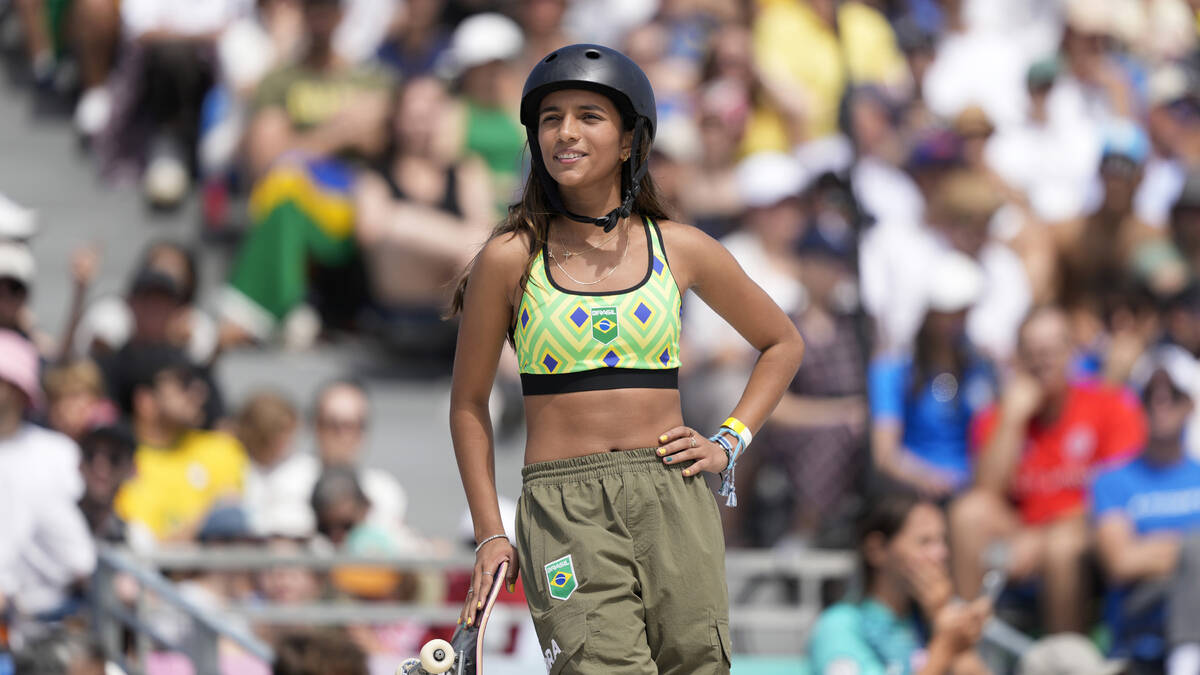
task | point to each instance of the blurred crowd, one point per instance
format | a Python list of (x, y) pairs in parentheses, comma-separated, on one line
[(983, 216)]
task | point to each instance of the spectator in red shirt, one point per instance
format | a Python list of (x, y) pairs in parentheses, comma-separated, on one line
[(1036, 452)]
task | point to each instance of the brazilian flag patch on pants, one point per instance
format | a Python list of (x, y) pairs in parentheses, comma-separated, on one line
[(560, 578)]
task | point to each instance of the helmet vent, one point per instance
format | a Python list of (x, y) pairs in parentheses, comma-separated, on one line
[(551, 57), (592, 54)]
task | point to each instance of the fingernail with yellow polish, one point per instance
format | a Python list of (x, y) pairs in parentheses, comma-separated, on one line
[(512, 587), (662, 451), (479, 605), (687, 472), (662, 439)]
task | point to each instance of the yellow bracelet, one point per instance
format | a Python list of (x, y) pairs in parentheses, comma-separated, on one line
[(740, 429)]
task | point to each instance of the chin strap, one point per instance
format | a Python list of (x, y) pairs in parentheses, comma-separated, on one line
[(631, 182)]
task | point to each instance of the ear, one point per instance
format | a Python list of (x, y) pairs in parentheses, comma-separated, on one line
[(874, 550), (626, 145)]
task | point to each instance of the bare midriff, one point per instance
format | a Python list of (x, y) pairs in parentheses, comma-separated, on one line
[(561, 426)]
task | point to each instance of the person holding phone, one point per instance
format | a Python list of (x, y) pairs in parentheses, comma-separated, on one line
[(1037, 450), (618, 533), (908, 622)]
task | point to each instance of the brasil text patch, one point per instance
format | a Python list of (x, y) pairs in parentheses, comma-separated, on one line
[(560, 578)]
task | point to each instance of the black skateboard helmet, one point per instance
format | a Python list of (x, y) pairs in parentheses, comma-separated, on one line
[(605, 71)]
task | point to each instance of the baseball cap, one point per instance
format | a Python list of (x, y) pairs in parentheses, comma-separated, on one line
[(1066, 654), (767, 178), (1180, 367), (16, 262), (483, 38), (19, 365), (1042, 73), (1168, 84), (955, 283), (1124, 138)]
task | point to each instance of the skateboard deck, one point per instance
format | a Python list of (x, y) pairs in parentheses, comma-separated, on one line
[(463, 655)]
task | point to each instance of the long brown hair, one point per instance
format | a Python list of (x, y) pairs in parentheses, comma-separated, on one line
[(531, 215)]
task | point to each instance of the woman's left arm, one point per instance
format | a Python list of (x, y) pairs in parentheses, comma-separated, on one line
[(702, 264)]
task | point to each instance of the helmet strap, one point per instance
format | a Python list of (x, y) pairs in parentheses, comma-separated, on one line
[(631, 181)]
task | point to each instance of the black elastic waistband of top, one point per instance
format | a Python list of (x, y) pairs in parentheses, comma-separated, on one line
[(534, 384)]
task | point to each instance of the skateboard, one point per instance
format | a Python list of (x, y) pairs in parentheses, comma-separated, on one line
[(463, 654)]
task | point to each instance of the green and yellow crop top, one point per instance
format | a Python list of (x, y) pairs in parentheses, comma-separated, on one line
[(570, 341)]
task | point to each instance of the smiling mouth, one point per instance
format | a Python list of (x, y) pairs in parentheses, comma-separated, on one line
[(569, 156)]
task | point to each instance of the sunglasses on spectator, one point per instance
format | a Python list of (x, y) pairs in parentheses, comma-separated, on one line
[(335, 424)]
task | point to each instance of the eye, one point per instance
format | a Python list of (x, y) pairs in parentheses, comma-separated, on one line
[(592, 116)]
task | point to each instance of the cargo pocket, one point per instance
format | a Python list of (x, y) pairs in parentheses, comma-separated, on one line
[(562, 633), (721, 636)]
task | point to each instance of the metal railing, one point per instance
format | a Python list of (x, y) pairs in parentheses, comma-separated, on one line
[(762, 624)]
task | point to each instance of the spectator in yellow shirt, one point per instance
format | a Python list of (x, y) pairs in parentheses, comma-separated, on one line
[(181, 471), (818, 45)]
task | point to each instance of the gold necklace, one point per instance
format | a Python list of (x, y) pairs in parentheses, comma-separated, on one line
[(606, 275)]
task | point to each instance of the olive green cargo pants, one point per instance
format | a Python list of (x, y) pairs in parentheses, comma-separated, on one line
[(624, 564)]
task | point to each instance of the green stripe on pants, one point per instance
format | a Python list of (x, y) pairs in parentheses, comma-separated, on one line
[(624, 564)]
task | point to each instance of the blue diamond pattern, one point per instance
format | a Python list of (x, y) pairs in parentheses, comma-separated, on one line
[(665, 357), (611, 359), (658, 265), (578, 317), (524, 317), (549, 362), (642, 312)]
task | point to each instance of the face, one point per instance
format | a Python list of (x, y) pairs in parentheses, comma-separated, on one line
[(948, 326), (13, 295), (821, 275), (104, 467), (288, 585), (11, 398), (1120, 177), (339, 517), (1167, 409), (322, 17), (582, 139), (179, 401), (342, 417), (71, 412), (419, 114), (1045, 350), (969, 233), (172, 262), (920, 542), (542, 16), (780, 224), (153, 313), (732, 53), (274, 449)]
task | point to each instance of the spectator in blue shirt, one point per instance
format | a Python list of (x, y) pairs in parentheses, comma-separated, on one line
[(921, 405), (907, 623), (1147, 516)]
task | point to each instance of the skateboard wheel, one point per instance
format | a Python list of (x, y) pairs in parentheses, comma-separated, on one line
[(408, 667), (437, 656)]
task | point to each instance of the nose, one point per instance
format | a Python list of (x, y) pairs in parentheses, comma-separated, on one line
[(568, 129)]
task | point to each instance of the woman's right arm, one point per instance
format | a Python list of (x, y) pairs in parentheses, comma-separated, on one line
[(486, 316)]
